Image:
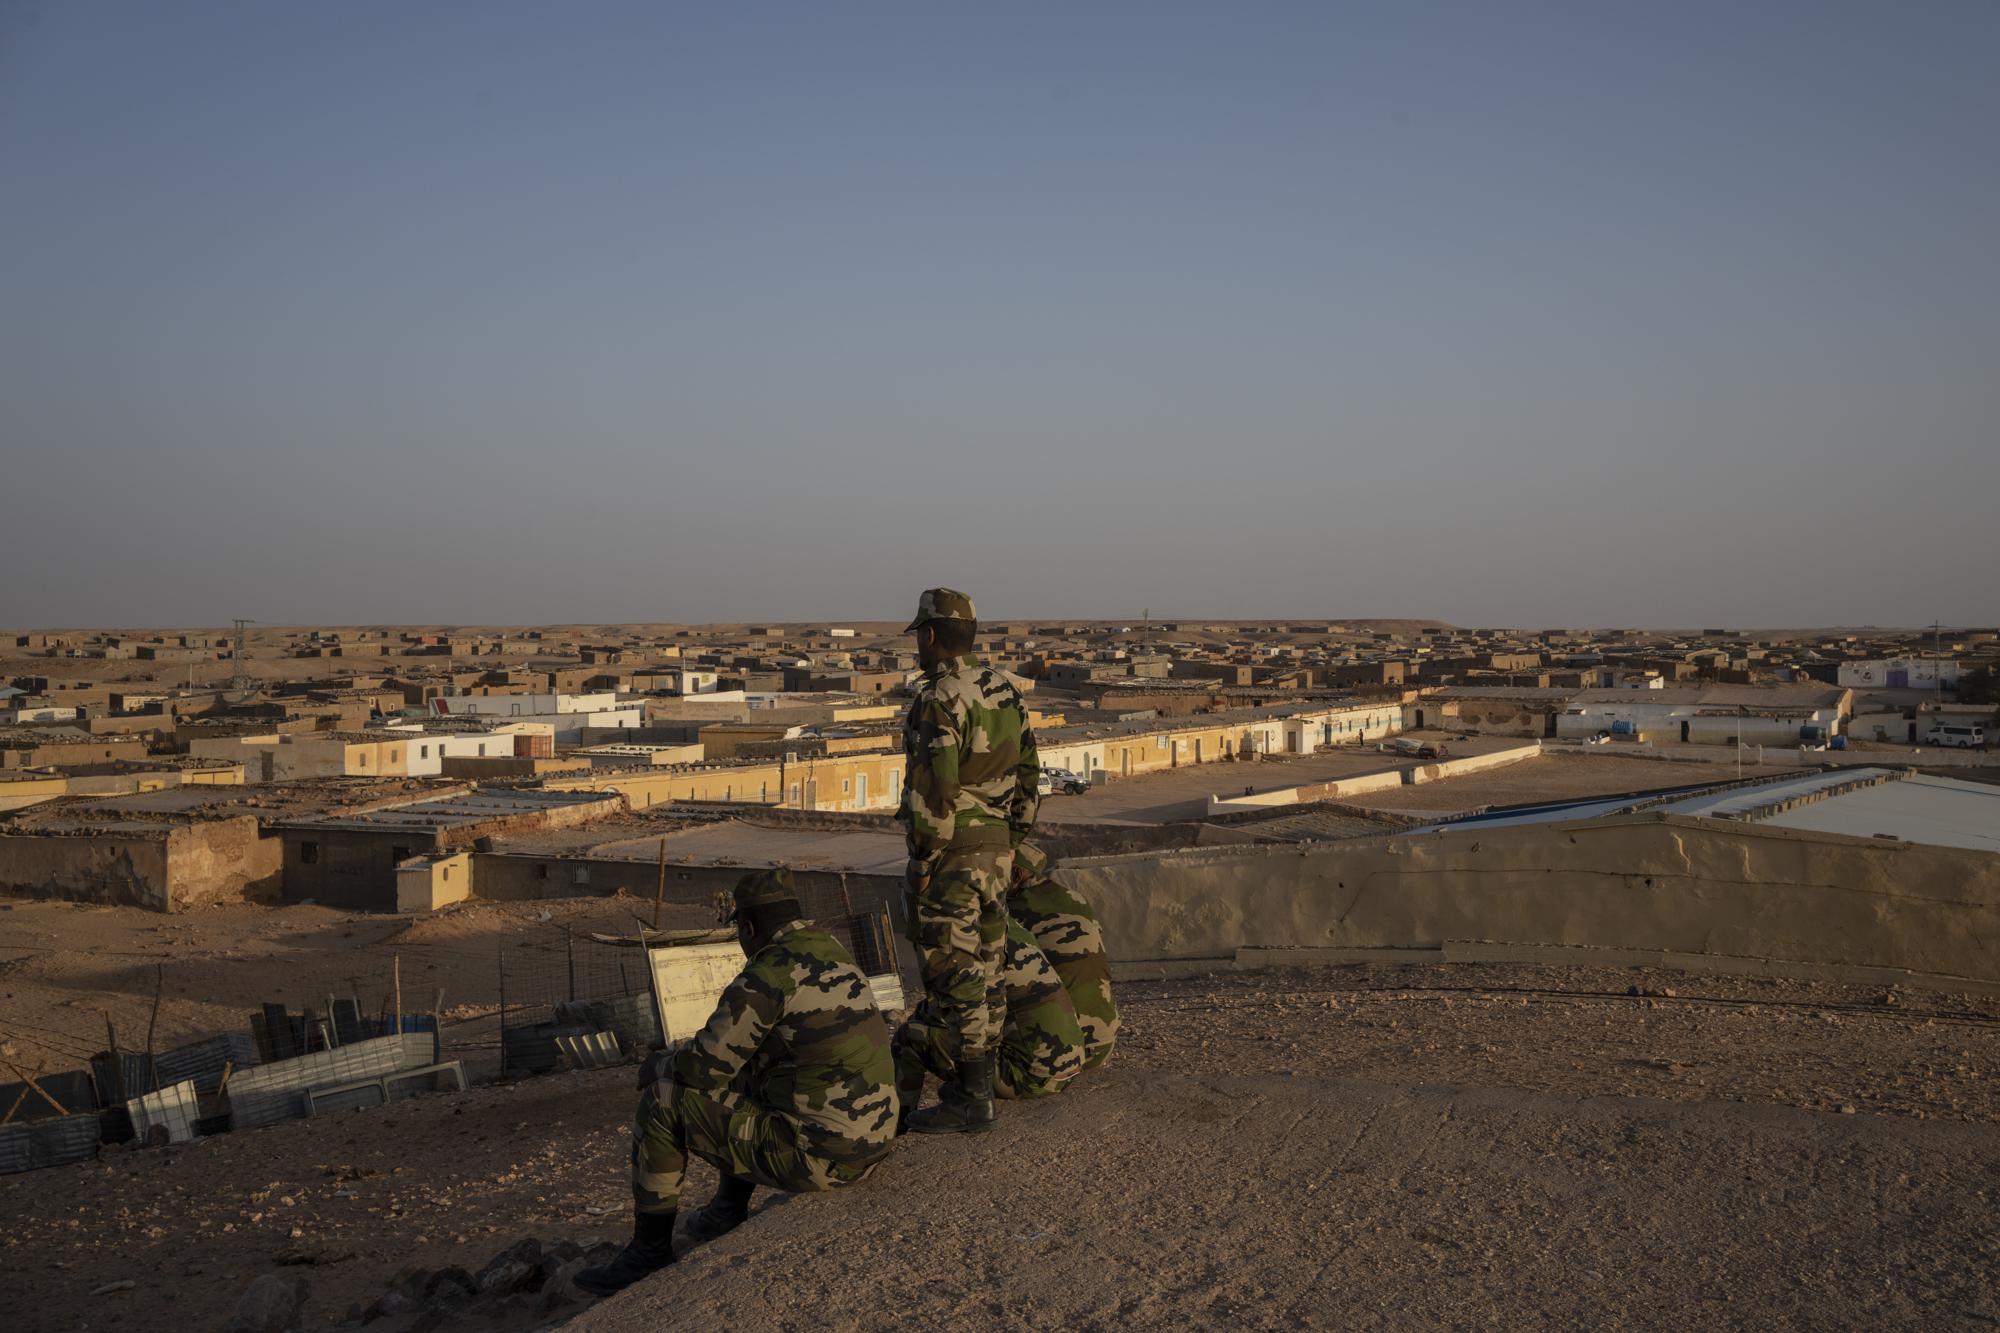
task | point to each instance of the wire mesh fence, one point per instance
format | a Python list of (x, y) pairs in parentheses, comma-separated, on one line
[(570, 980)]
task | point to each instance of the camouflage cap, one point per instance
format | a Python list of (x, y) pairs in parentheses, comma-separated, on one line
[(941, 604), (1031, 862), (759, 888)]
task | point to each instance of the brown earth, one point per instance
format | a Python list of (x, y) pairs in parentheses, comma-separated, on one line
[(64, 966), (1383, 1146)]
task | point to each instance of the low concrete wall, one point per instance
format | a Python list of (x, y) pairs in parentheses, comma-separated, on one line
[(1358, 785), (1473, 763), (1362, 783), (1261, 800), (1661, 884)]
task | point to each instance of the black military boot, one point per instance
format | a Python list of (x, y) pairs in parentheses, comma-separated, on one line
[(724, 1213), (965, 1103), (651, 1249), (907, 1097)]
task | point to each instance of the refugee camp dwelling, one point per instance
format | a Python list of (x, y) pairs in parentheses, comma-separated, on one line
[(355, 859), (1716, 715)]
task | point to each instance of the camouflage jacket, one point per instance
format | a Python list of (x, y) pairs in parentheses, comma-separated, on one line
[(1041, 1029), (798, 1032), (970, 759), (1069, 935)]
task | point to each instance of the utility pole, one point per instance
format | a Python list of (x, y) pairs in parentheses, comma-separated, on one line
[(1937, 660)]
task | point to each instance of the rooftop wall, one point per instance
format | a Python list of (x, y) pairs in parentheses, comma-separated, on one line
[(1648, 882)]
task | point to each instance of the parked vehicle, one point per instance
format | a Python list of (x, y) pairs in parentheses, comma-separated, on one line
[(1433, 750), (1957, 735), (1061, 780)]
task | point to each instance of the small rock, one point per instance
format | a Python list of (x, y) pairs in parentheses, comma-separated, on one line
[(270, 1304), (560, 1289), (392, 1303), (507, 1277), (110, 1287)]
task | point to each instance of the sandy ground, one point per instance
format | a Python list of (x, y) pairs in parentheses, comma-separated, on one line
[(1382, 1146), (64, 966)]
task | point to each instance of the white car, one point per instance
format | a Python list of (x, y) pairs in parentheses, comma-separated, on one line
[(1060, 780)]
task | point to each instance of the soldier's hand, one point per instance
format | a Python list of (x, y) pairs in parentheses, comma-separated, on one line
[(915, 876)]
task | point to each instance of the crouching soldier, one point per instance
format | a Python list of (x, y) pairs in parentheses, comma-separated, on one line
[(1068, 933), (791, 1084), (1041, 1046)]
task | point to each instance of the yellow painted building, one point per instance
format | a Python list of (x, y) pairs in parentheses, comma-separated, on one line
[(854, 782)]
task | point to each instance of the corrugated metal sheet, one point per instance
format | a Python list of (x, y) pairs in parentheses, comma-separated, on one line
[(105, 1072), (56, 1141), (73, 1088), (590, 1050), (203, 1061)]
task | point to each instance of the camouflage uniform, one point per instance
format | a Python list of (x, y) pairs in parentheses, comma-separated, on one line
[(790, 1085), (1067, 930), (1041, 1045), (969, 796)]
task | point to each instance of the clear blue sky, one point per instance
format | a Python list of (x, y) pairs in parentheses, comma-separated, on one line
[(1521, 313)]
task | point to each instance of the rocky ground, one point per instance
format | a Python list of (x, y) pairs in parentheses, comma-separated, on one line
[(1378, 1145)]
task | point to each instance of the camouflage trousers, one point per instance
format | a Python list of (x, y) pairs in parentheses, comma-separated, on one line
[(959, 925), (1020, 1071), (732, 1133)]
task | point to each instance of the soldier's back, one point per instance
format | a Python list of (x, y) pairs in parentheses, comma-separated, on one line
[(827, 1059), (984, 710)]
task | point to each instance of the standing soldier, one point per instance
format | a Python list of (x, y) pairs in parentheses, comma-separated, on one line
[(791, 1084), (969, 799), (1067, 930)]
